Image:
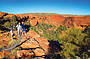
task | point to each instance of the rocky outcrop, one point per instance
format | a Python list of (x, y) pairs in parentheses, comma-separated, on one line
[(36, 45), (31, 45), (33, 22), (9, 17), (50, 18), (70, 21), (81, 22), (4, 54), (2, 14)]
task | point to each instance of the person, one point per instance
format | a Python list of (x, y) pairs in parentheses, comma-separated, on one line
[(23, 29), (18, 28), (11, 31)]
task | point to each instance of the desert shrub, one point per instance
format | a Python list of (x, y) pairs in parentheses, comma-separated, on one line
[(60, 28), (85, 49), (48, 30), (74, 36), (44, 28), (12, 42), (14, 22), (9, 22), (1, 47), (72, 42), (14, 51), (27, 23), (87, 31)]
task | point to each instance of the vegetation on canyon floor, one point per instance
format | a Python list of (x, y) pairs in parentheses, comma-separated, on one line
[(73, 41)]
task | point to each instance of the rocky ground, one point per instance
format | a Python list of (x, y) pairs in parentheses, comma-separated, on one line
[(31, 45)]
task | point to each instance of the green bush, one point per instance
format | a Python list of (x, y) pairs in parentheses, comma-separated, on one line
[(8, 23), (72, 42), (14, 22), (60, 28), (12, 42), (43, 27)]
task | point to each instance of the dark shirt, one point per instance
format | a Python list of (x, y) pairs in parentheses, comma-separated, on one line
[(22, 26)]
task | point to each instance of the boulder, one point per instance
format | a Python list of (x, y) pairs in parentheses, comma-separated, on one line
[(33, 22), (44, 44), (23, 53), (32, 34), (39, 52), (30, 44), (4, 54)]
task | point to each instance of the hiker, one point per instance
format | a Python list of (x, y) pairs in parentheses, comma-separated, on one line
[(23, 29), (11, 31), (19, 28)]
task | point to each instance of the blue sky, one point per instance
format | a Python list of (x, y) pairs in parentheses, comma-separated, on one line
[(74, 7)]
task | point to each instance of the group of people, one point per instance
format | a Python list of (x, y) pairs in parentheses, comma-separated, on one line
[(20, 29)]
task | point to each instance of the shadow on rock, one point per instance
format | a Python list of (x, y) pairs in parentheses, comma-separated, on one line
[(27, 27), (54, 50)]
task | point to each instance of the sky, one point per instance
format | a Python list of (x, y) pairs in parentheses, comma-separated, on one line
[(68, 7)]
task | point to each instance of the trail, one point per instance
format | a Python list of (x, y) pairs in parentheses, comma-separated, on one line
[(8, 49)]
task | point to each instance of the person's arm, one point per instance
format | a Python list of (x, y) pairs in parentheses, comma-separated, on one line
[(16, 26)]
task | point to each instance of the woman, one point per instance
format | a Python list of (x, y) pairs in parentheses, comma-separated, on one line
[(11, 31)]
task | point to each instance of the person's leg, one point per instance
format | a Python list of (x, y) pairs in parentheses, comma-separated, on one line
[(11, 34), (22, 32), (18, 32)]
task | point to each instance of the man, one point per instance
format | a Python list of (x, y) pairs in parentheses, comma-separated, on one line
[(23, 29), (19, 28)]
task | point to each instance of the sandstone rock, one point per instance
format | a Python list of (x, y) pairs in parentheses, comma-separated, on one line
[(39, 52), (2, 14), (9, 17), (33, 22), (43, 43), (30, 44), (33, 34), (4, 54), (40, 21), (12, 57), (23, 53)]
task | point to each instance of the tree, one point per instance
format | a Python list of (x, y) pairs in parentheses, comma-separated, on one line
[(14, 22)]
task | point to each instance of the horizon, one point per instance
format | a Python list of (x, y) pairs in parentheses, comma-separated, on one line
[(63, 7), (38, 13)]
